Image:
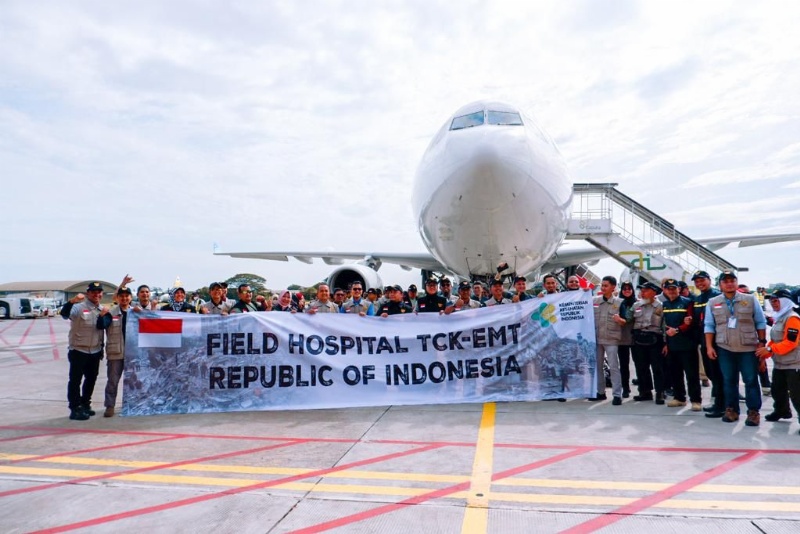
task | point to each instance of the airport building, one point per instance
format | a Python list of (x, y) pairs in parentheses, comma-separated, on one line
[(61, 291)]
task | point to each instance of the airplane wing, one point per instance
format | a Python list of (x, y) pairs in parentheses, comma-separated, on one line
[(716, 243), (406, 261)]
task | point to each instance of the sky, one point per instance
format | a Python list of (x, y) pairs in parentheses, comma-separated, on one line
[(135, 135)]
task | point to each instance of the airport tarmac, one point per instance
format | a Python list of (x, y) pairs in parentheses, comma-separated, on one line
[(574, 467)]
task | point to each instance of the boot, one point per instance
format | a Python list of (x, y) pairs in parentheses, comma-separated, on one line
[(731, 416), (109, 412), (753, 418), (775, 416), (78, 415)]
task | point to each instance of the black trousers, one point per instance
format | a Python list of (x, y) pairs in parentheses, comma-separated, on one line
[(685, 362), (82, 367), (646, 359), (714, 374), (785, 386), (624, 352)]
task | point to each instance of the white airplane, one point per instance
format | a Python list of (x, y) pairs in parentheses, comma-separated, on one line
[(491, 189)]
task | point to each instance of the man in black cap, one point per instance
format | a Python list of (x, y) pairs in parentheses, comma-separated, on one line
[(702, 281), (446, 288), (680, 350), (478, 292), (463, 302), (217, 304), (432, 302), (395, 304), (410, 298), (735, 327), (647, 343), (85, 349), (114, 321), (497, 297), (521, 285)]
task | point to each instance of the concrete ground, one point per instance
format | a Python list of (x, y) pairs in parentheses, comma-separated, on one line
[(573, 467)]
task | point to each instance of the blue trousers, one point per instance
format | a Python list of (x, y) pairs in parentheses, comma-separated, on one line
[(732, 364)]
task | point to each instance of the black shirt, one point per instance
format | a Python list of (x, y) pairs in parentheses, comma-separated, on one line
[(431, 304)]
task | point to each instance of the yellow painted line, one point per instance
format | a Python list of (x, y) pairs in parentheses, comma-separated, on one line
[(749, 506), (476, 514), (591, 500), (48, 472), (582, 484)]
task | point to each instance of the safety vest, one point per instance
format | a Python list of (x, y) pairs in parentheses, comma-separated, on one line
[(115, 342), (608, 331), (778, 334), (742, 338), (647, 315), (84, 336), (351, 307)]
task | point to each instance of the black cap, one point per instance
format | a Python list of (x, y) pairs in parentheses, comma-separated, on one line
[(431, 280), (464, 285), (520, 279), (726, 274), (497, 282), (125, 290), (682, 284), (780, 294), (371, 291), (650, 285), (412, 287), (176, 289), (700, 274), (669, 282), (397, 287), (95, 286), (444, 280), (215, 285)]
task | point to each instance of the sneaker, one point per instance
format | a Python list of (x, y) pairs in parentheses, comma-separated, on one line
[(675, 403), (775, 416), (753, 418), (696, 407), (731, 416), (767, 392), (705, 383), (617, 401), (641, 398), (78, 415), (715, 415), (109, 412)]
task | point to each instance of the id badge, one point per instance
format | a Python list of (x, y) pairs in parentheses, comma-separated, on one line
[(731, 322)]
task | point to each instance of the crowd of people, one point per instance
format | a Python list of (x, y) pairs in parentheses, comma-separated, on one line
[(679, 341)]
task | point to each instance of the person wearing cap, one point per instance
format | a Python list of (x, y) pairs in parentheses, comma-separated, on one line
[(410, 297), (372, 296), (628, 296), (463, 302), (217, 304), (338, 298), (395, 304), (683, 290), (85, 349), (114, 321), (702, 282), (550, 285), (358, 304), (432, 302), (608, 332), (322, 304), (497, 297), (445, 290), (478, 292), (521, 286), (648, 340), (177, 302), (679, 348), (785, 353), (735, 327), (229, 301)]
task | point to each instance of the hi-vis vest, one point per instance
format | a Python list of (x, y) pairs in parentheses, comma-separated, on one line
[(647, 315), (744, 337), (84, 336), (778, 334), (115, 343), (608, 331)]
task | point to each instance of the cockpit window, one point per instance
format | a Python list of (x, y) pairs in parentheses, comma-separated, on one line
[(467, 121), (504, 118)]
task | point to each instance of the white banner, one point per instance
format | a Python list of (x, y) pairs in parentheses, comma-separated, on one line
[(186, 363)]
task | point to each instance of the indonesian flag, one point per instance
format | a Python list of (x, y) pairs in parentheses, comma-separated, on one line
[(160, 333), (584, 283)]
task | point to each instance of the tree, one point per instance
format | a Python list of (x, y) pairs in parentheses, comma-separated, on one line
[(256, 283)]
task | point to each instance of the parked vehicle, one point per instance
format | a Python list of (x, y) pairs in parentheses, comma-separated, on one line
[(16, 308)]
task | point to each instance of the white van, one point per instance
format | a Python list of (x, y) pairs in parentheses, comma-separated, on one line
[(16, 308)]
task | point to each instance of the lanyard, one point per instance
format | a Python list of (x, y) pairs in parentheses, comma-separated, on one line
[(730, 304)]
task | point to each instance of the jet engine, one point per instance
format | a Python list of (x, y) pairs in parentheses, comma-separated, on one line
[(347, 274)]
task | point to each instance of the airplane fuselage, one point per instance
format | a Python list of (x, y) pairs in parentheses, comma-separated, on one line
[(491, 188)]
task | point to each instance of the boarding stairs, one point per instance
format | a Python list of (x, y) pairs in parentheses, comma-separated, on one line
[(639, 238)]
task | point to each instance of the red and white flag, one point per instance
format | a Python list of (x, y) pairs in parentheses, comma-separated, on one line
[(160, 333)]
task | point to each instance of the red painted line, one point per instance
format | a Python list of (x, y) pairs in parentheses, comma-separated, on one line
[(27, 331), (660, 496), (230, 491), (106, 476), (84, 451), (53, 338), (17, 351), (43, 434), (13, 323), (436, 494)]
